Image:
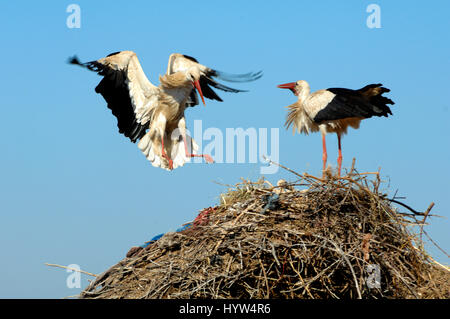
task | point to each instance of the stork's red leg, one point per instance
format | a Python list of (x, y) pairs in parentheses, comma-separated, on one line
[(324, 152), (163, 152), (207, 158), (340, 154)]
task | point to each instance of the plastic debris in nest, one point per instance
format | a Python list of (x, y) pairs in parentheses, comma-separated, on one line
[(201, 219)]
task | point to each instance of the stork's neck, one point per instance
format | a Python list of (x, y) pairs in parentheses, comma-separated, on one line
[(175, 80), (179, 94), (303, 94)]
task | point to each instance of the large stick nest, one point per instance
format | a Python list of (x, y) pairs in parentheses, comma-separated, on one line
[(312, 239)]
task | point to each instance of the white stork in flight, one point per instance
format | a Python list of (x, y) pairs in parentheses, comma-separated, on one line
[(154, 115), (334, 110)]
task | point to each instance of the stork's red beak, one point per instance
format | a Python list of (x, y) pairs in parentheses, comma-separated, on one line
[(199, 89), (290, 86)]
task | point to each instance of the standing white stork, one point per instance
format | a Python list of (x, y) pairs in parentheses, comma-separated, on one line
[(334, 110), (139, 105)]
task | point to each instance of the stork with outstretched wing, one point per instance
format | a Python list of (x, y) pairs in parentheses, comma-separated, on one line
[(154, 115)]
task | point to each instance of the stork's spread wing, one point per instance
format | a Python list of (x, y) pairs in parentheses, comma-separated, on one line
[(129, 94), (363, 103), (179, 62)]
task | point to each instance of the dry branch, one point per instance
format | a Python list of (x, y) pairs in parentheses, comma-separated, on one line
[(70, 268)]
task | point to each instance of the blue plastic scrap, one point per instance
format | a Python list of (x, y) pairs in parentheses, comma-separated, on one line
[(184, 227), (271, 202)]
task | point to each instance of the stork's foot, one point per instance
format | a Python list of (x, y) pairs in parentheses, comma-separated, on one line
[(340, 155), (327, 173), (170, 164), (208, 159), (339, 167), (164, 155)]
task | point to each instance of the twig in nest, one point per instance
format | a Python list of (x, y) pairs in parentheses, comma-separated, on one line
[(73, 269), (265, 278), (425, 215), (408, 207), (366, 246), (282, 166), (435, 244), (351, 268)]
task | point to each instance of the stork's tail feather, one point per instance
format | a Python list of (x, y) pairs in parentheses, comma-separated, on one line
[(151, 147), (178, 151), (374, 93)]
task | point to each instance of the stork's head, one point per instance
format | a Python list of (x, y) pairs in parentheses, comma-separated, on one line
[(193, 75), (296, 87)]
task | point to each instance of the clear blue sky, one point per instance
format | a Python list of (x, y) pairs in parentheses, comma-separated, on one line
[(73, 190)]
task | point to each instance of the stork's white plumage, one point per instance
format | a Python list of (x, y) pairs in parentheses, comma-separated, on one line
[(154, 115), (334, 110)]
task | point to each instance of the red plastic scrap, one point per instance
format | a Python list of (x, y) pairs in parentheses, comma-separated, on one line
[(203, 218)]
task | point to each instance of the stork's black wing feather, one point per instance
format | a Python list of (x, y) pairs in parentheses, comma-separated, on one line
[(119, 102), (190, 58), (245, 77), (192, 99), (207, 83), (363, 103), (114, 90), (208, 92)]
